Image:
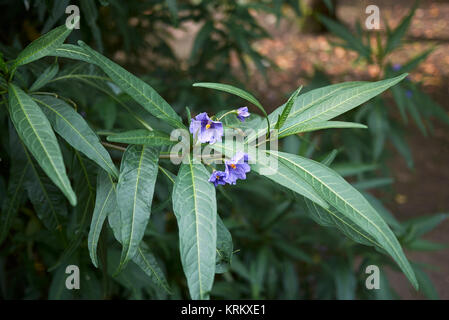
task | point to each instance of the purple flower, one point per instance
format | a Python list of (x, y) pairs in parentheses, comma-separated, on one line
[(205, 129), (397, 67), (237, 167), (242, 113), (218, 177)]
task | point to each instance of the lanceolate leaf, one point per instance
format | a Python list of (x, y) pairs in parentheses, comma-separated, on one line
[(136, 88), (42, 46), (45, 77), (74, 129), (341, 102), (304, 102), (35, 131), (288, 178), (320, 126), (330, 217), (195, 207), (288, 107), (105, 202), (144, 258), (148, 263), (142, 136), (72, 52), (135, 189), (348, 201)]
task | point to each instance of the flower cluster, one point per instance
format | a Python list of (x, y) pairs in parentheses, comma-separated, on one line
[(206, 130), (236, 168)]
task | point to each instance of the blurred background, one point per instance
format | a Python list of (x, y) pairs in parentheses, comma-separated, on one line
[(270, 48)]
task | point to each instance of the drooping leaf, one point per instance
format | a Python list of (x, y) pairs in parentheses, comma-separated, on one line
[(135, 187), (195, 207), (105, 202), (148, 263), (35, 131), (73, 128), (143, 258), (348, 201), (140, 91)]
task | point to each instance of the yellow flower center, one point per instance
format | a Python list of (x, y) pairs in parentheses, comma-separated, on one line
[(232, 166), (218, 177), (208, 126)]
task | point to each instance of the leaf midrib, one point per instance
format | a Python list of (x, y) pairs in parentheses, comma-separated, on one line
[(195, 206), (38, 138), (348, 204), (337, 105), (79, 133)]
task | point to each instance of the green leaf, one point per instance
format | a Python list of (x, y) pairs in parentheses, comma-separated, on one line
[(148, 263), (73, 128), (394, 38), (140, 91), (288, 107), (135, 187), (42, 46), (348, 201), (141, 136), (225, 247), (15, 195), (304, 102), (425, 284), (35, 131), (235, 91), (330, 217), (320, 126), (341, 102), (105, 202), (84, 173), (276, 171), (48, 74), (351, 42), (424, 224), (90, 12), (195, 207), (72, 52), (143, 258)]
